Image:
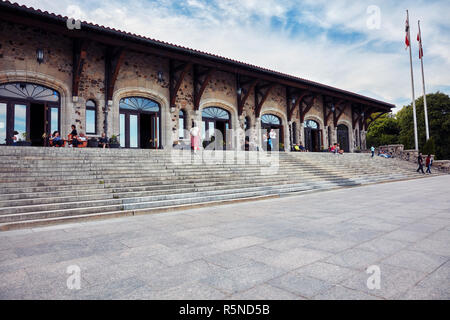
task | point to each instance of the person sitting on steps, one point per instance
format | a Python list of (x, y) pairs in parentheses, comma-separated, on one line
[(82, 140), (103, 141), (73, 137), (56, 140)]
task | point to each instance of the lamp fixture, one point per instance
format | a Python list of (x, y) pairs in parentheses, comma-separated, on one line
[(160, 76), (40, 55)]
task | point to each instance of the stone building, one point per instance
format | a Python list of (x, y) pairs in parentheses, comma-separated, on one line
[(55, 72)]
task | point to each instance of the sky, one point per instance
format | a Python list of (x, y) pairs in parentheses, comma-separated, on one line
[(352, 45)]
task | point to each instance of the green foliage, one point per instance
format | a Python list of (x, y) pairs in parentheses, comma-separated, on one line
[(384, 130), (400, 129), (429, 147), (114, 139), (438, 105)]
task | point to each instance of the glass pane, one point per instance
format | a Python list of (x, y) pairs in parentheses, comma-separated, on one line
[(270, 119), (215, 113), (28, 91), (54, 120), (157, 133), (139, 104), (20, 119), (211, 129), (2, 123), (203, 130), (133, 131), (90, 121), (122, 130), (181, 128)]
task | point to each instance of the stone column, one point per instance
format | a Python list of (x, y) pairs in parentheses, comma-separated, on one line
[(301, 133), (326, 138), (257, 133), (363, 140)]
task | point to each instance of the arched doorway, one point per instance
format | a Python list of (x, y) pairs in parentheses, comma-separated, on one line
[(342, 137), (31, 110), (269, 122), (215, 120), (313, 136), (140, 123)]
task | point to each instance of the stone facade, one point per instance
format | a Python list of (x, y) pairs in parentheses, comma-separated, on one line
[(138, 76)]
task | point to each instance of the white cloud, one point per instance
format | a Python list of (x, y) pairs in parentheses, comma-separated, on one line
[(242, 30)]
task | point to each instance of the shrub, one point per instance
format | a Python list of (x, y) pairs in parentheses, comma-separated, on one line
[(429, 147)]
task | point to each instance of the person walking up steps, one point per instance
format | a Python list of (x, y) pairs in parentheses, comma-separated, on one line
[(372, 149), (420, 163)]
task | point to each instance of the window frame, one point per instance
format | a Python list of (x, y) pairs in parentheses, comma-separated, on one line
[(91, 108)]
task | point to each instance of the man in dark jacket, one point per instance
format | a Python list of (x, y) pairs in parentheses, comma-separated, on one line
[(420, 163)]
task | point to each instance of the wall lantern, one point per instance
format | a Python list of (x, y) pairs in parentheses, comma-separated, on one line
[(293, 100), (160, 76), (332, 108), (40, 55), (239, 91)]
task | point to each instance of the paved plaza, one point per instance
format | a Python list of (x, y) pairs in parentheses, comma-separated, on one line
[(312, 246)]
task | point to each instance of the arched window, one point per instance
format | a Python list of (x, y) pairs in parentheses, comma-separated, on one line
[(28, 91), (215, 123), (181, 124), (311, 124), (30, 109), (91, 117), (215, 113), (270, 119), (139, 104), (140, 123)]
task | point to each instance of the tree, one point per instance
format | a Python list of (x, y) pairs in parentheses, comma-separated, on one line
[(438, 119), (383, 131)]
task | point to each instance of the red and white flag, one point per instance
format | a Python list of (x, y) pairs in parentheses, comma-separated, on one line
[(419, 38), (407, 42)]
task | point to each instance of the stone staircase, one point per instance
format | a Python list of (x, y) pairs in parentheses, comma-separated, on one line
[(40, 186)]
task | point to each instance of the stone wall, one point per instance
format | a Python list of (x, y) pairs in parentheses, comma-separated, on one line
[(138, 76), (397, 150)]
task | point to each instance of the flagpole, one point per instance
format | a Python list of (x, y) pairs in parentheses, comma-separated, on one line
[(412, 86), (427, 132)]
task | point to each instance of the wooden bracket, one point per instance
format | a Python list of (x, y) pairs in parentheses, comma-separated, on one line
[(79, 58), (114, 58), (201, 80), (261, 94), (177, 72), (246, 88)]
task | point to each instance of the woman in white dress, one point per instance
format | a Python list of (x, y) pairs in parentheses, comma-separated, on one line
[(195, 137)]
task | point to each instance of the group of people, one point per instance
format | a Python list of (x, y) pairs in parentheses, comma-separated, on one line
[(428, 160), (336, 149), (75, 139), (428, 163), (299, 148)]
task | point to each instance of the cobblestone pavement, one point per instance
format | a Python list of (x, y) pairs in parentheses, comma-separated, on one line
[(313, 246)]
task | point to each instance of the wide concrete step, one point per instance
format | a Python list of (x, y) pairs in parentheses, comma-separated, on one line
[(14, 214)]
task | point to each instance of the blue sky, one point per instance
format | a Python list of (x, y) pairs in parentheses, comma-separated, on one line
[(338, 43)]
